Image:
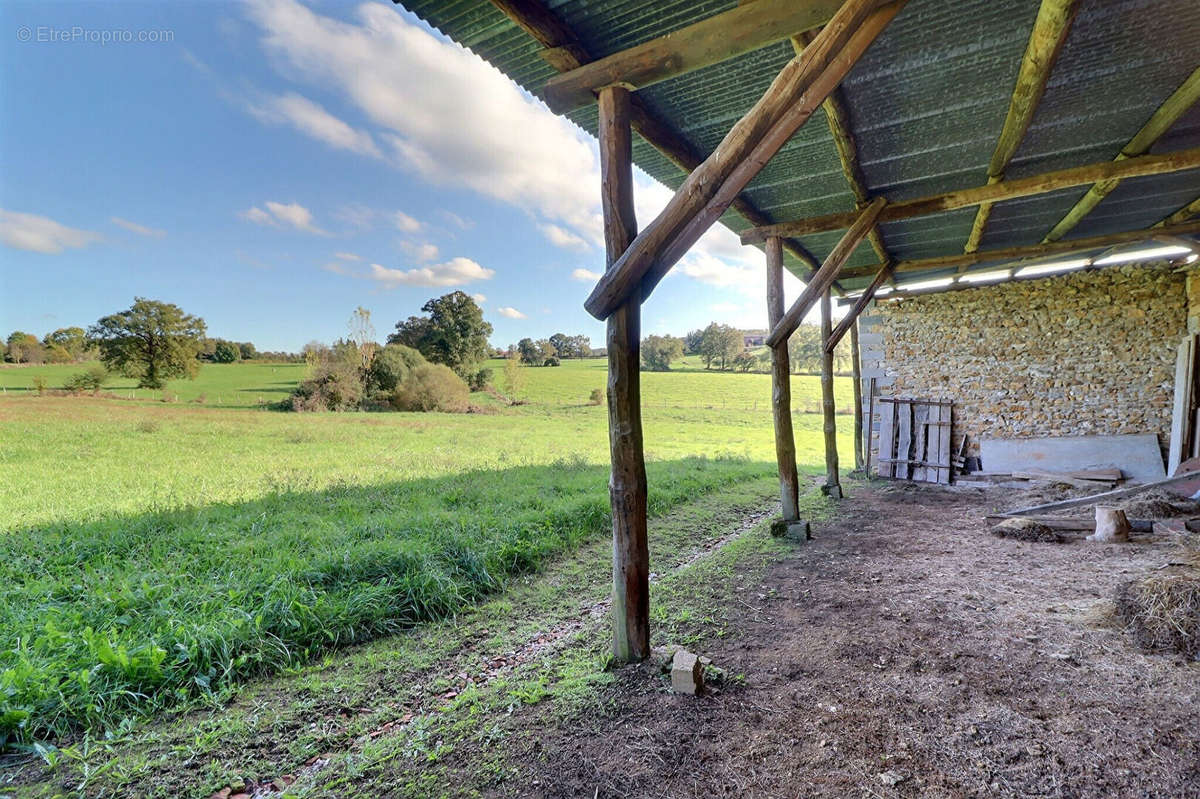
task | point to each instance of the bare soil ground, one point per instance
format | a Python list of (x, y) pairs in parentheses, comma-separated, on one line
[(902, 652)]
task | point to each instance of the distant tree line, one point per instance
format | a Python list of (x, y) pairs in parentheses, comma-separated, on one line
[(549, 351)]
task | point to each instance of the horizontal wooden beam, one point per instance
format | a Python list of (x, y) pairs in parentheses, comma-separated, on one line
[(1045, 41), (1182, 215), (708, 191), (710, 41), (1029, 251), (823, 279), (994, 192), (860, 304), (1159, 123)]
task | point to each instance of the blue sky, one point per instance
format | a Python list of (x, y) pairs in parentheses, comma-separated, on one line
[(271, 165)]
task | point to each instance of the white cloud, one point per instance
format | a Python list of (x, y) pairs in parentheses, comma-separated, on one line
[(134, 227), (456, 220), (443, 112), (479, 298), (560, 237), (312, 120), (421, 252), (356, 215), (405, 223), (585, 275), (347, 256), (41, 234), (290, 214), (455, 272), (511, 313)]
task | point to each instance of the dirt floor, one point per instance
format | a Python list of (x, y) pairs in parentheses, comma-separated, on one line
[(903, 652)]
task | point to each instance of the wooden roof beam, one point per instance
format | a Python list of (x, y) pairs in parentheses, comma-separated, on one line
[(1029, 251), (823, 279), (1182, 215), (1045, 41), (881, 277), (993, 192), (566, 52), (709, 41), (793, 96), (1159, 123)]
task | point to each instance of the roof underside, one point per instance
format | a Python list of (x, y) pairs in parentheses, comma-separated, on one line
[(926, 105)]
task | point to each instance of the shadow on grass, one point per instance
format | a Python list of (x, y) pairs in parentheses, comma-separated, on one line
[(104, 621)]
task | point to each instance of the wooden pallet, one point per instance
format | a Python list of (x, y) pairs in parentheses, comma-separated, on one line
[(914, 439)]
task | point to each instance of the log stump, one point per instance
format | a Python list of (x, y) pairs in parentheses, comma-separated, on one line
[(1111, 525)]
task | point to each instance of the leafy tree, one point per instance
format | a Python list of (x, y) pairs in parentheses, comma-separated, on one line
[(659, 351), (546, 351), (582, 345), (563, 345), (72, 340), (23, 348), (362, 333), (391, 365), (804, 348), (152, 341), (432, 387), (530, 352), (514, 378), (247, 350), (719, 344), (744, 361), (691, 342), (454, 333), (226, 352)]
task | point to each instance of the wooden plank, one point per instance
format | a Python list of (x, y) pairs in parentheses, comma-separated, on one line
[(781, 391), (1057, 477), (1045, 183), (856, 381), (1072, 525), (903, 439), (887, 438), (1181, 410), (1027, 251), (707, 192), (944, 430), (627, 483), (833, 484), (870, 426), (1045, 41), (1106, 496), (920, 471), (821, 281), (718, 38), (1159, 123)]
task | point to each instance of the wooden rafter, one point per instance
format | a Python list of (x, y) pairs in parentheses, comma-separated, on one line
[(710, 41), (1182, 215), (793, 96), (823, 279), (1159, 123), (1045, 41), (838, 118), (860, 304), (993, 192), (1028, 251), (564, 51)]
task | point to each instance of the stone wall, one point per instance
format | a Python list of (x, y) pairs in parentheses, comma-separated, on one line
[(1084, 353)]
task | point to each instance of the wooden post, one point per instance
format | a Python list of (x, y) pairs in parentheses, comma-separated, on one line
[(627, 484), (781, 390), (856, 371), (833, 486)]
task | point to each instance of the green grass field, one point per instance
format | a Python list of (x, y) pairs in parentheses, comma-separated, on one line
[(155, 554)]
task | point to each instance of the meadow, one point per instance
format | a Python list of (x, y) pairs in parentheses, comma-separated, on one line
[(155, 554)]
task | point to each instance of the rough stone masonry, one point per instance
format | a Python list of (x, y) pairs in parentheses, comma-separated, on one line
[(1083, 353)]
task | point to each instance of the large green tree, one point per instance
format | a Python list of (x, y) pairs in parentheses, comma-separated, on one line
[(453, 333), (659, 351), (23, 348), (720, 344), (72, 340), (152, 341)]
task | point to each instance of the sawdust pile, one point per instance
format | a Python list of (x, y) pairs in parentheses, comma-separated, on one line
[(1028, 530)]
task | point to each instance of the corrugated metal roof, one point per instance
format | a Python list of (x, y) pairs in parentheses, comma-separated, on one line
[(926, 105)]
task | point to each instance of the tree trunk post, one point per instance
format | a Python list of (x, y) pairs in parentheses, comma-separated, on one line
[(627, 483), (781, 390), (856, 372), (833, 486)]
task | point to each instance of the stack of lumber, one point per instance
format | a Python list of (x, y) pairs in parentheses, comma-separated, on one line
[(1080, 478)]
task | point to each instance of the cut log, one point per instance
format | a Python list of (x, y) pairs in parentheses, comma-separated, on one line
[(627, 484), (781, 390), (1111, 525), (795, 93)]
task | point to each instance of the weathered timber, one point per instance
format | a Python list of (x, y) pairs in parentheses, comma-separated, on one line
[(838, 118), (1140, 166), (1045, 41), (1072, 525), (833, 485), (1029, 251), (856, 378), (820, 282), (627, 483), (1119, 493), (799, 88), (1182, 215), (781, 390), (710, 41), (850, 320), (548, 29), (1159, 123)]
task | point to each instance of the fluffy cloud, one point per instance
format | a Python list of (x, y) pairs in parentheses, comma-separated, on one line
[(41, 234), (421, 252), (510, 313), (479, 298), (134, 227), (455, 272), (405, 223), (585, 275), (563, 238), (347, 256), (312, 120), (280, 214)]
